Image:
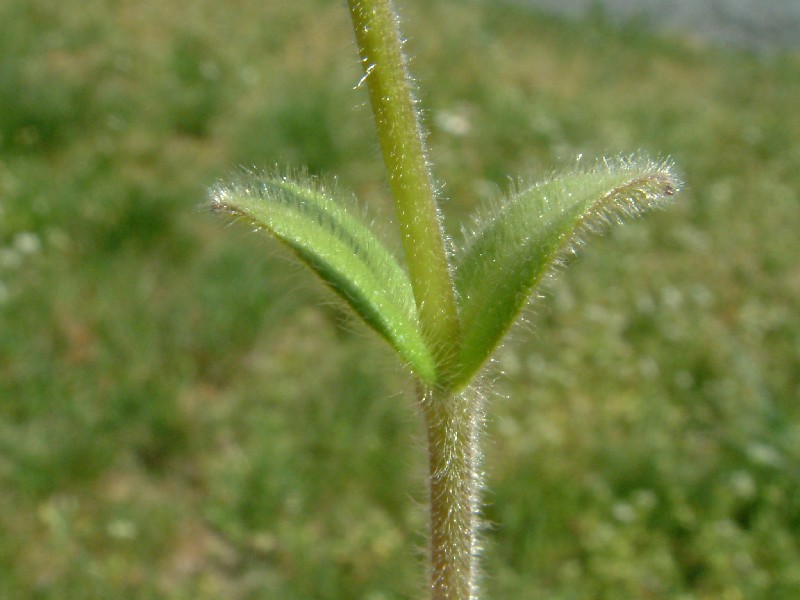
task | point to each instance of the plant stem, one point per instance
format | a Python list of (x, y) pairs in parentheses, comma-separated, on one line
[(453, 420), (454, 425), (401, 139)]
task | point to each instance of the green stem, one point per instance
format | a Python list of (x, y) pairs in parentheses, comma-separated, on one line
[(454, 424), (401, 140), (453, 420)]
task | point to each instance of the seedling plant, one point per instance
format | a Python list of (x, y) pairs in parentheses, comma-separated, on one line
[(444, 311)]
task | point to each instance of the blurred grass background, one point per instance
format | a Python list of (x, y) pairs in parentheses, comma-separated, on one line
[(180, 416)]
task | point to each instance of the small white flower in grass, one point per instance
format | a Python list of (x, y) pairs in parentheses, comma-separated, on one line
[(453, 122), (27, 243)]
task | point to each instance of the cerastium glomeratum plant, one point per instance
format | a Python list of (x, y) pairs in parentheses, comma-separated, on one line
[(444, 315)]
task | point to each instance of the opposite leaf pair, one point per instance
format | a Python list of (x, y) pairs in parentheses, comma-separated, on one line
[(512, 246)]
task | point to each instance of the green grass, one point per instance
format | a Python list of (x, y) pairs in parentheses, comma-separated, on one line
[(179, 420)]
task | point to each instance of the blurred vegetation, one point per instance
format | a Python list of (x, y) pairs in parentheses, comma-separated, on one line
[(178, 417)]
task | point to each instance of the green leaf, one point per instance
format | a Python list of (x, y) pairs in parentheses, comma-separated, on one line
[(338, 247), (519, 239)]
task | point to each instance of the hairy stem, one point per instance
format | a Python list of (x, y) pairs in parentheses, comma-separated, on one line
[(402, 144), (453, 420), (454, 424)]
